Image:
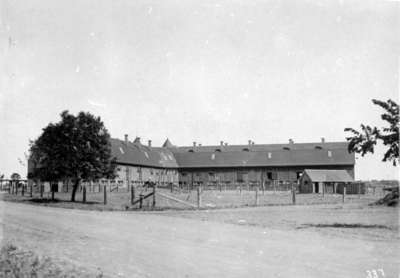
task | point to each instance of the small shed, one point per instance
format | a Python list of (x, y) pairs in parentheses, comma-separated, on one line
[(324, 181)]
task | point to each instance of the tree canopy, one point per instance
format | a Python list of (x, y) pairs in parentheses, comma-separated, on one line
[(15, 176), (76, 148), (364, 141)]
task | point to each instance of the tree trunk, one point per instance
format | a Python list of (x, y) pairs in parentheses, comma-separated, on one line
[(74, 189)]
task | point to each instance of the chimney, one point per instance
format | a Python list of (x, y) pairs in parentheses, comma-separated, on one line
[(149, 143), (222, 143), (226, 144), (291, 141), (194, 144), (126, 139), (249, 142), (322, 140), (252, 143)]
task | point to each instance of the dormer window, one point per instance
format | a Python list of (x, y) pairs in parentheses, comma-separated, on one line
[(318, 147), (286, 148), (213, 156), (246, 150)]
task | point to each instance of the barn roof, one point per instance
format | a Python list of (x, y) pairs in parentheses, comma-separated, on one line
[(300, 157), (293, 154), (138, 154), (328, 175)]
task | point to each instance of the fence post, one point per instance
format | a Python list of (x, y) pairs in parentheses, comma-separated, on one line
[(52, 191), (256, 195), (293, 194), (198, 197), (140, 201), (84, 194), (240, 188), (344, 192), (132, 194), (263, 186), (154, 195), (31, 189), (359, 190), (105, 194), (41, 189), (23, 190), (323, 189)]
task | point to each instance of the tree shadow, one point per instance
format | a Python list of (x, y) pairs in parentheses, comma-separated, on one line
[(49, 201)]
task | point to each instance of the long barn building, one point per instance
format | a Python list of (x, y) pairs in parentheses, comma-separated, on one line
[(226, 164)]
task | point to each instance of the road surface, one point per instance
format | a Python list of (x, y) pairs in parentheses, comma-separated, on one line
[(134, 244)]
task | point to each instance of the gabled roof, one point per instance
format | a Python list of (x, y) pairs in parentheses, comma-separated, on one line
[(328, 175), (294, 154), (167, 144), (138, 154)]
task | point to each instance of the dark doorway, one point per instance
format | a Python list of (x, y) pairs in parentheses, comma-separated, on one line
[(316, 187)]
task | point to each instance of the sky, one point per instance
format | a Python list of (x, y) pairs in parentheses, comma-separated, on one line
[(201, 71)]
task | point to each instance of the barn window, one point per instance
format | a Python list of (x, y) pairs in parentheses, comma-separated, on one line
[(246, 150), (329, 153)]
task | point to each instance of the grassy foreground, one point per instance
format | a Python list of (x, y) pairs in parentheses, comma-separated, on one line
[(18, 263)]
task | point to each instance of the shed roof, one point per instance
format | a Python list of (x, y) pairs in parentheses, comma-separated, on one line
[(328, 175)]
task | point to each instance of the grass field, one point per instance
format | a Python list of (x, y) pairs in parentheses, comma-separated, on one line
[(210, 199), (16, 262)]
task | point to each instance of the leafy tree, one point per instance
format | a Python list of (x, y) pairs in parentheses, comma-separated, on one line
[(15, 176), (364, 141), (76, 148)]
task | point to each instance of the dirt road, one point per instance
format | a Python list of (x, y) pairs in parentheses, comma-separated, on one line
[(135, 244)]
